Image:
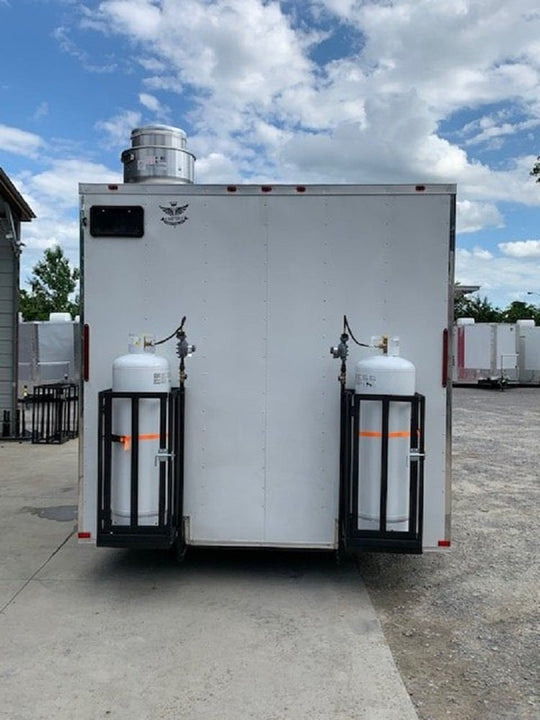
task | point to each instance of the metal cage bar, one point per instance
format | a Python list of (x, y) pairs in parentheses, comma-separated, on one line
[(168, 531), (382, 539)]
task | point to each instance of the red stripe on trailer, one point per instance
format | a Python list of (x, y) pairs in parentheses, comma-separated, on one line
[(84, 535), (445, 358), (86, 353)]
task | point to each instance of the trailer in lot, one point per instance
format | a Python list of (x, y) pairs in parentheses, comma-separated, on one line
[(264, 438), (48, 352), (528, 349), (485, 353), (496, 354)]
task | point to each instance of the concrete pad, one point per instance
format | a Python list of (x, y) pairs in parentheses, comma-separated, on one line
[(37, 482), (8, 589), (226, 636)]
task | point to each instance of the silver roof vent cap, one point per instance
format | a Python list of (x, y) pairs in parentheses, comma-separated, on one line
[(158, 154)]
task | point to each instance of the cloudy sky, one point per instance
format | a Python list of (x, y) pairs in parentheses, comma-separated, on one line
[(336, 91)]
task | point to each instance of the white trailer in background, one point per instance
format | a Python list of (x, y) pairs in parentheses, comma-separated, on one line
[(48, 352), (484, 353), (496, 354), (259, 445), (528, 348)]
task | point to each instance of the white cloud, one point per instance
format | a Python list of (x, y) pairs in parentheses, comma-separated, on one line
[(242, 51), (369, 117), (57, 188), (502, 279), (168, 83), (19, 142), (150, 102), (473, 216), (62, 36), (260, 106), (152, 64), (141, 18), (454, 52), (216, 168), (53, 195), (118, 128), (342, 8), (482, 253), (45, 231), (521, 249), (492, 128)]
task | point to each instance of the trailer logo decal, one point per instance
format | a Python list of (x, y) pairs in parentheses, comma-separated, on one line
[(174, 215)]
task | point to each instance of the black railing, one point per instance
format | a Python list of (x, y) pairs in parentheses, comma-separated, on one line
[(130, 460), (55, 412), (14, 425), (373, 528)]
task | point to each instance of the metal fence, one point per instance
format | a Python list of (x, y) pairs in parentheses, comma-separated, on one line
[(14, 425), (55, 413)]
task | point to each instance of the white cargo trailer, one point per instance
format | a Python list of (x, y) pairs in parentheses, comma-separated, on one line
[(528, 338), (48, 353), (485, 353), (266, 441)]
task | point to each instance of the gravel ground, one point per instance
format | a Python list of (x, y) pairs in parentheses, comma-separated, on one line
[(463, 627)]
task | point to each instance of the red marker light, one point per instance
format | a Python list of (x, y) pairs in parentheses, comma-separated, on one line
[(84, 535), (444, 543), (112, 187)]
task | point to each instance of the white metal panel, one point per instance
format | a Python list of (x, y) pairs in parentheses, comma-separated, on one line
[(212, 270), (264, 281), (506, 358), (489, 351), (478, 350), (529, 349)]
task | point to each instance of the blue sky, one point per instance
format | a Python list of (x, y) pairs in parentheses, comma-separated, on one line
[(352, 91)]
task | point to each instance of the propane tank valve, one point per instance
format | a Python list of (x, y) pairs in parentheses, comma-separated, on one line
[(340, 352), (183, 350)]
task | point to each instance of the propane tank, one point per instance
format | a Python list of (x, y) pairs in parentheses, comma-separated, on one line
[(141, 370), (385, 374)]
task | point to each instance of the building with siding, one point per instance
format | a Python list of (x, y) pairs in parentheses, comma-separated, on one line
[(13, 211)]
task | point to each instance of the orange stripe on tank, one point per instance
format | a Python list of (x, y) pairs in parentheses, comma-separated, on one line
[(375, 434), (126, 439)]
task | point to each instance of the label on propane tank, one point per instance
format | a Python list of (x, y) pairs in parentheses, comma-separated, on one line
[(161, 377), (364, 380)]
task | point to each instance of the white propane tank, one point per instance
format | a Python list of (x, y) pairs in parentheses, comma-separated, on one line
[(384, 375), (138, 371)]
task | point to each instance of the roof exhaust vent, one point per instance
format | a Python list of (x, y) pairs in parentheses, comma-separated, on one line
[(158, 155)]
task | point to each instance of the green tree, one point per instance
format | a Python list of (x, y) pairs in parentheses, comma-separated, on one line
[(478, 308), (52, 286), (535, 172), (518, 310)]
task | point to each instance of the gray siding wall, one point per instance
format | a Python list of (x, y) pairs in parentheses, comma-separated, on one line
[(7, 339)]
